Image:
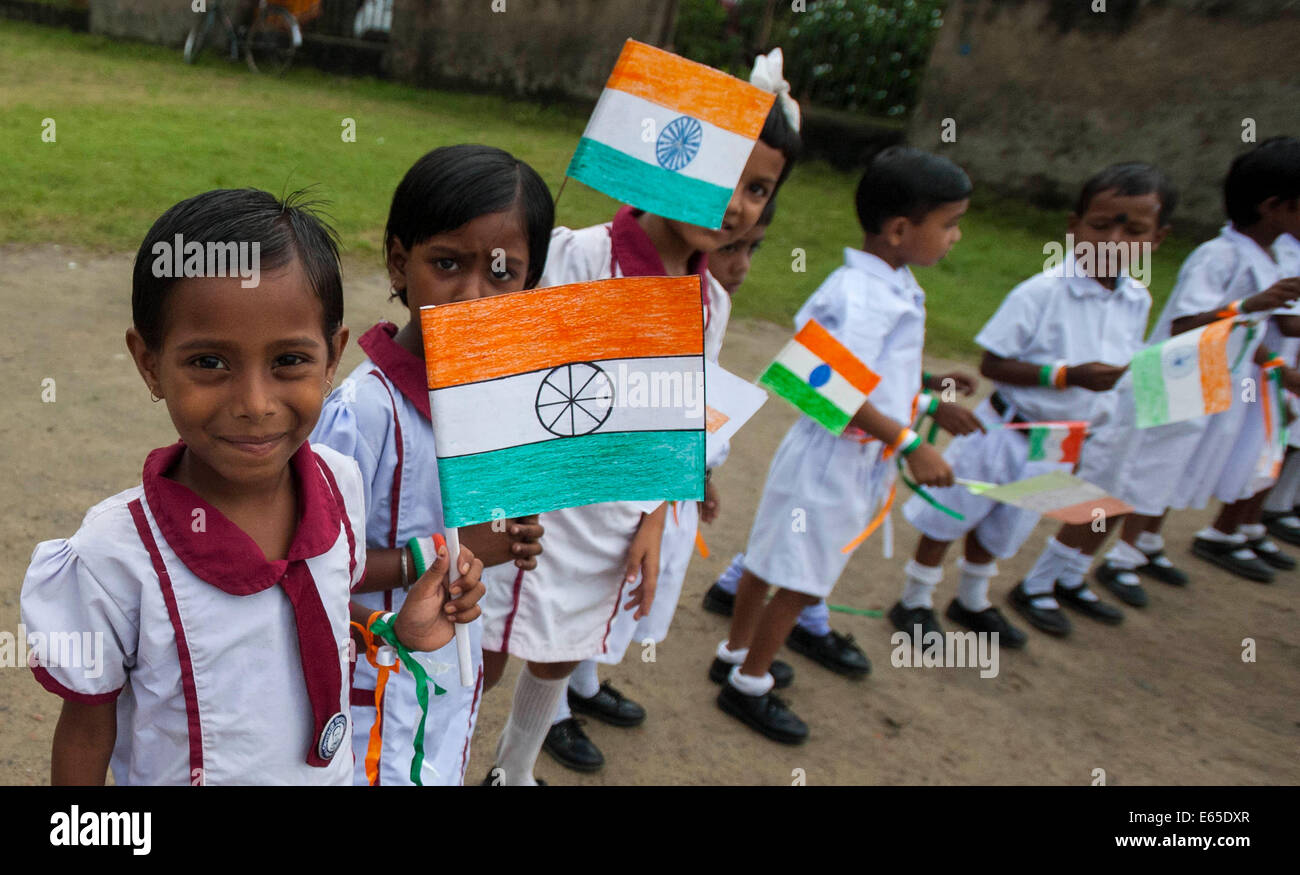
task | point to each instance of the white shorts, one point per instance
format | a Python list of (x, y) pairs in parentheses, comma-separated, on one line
[(674, 557), (998, 456), (821, 492), (563, 610)]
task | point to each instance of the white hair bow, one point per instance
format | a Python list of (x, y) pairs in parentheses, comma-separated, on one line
[(768, 76)]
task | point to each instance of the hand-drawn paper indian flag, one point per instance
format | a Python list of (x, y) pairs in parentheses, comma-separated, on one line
[(567, 396), (818, 374), (1059, 495), (1053, 441), (1184, 377), (670, 136)]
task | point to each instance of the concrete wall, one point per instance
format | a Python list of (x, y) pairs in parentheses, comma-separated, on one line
[(155, 21), (564, 47), (1044, 92)]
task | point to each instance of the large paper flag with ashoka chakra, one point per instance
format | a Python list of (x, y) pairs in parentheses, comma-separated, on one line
[(670, 136), (818, 374), (1185, 377), (567, 396)]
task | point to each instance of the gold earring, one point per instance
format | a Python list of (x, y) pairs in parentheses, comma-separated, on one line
[(329, 384)]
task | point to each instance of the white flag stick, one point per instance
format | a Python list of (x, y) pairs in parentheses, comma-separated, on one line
[(463, 650)]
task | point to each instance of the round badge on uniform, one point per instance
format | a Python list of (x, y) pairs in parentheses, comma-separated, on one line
[(331, 737)]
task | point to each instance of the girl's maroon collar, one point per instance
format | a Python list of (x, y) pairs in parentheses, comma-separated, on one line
[(405, 371), (218, 551), (635, 252)]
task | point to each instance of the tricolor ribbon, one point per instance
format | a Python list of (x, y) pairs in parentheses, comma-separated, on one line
[(385, 630), (376, 743)]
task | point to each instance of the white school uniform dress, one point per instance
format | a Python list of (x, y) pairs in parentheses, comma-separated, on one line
[(1052, 317), (1179, 464), (225, 668), (565, 608), (1286, 252), (823, 490), (379, 416)]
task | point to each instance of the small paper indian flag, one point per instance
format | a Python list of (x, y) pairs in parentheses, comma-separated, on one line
[(1056, 441), (670, 136), (818, 374), (1184, 377), (567, 396)]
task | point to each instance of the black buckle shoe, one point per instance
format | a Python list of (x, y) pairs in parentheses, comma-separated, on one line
[(781, 672), (837, 652), (718, 601), (1268, 551), (570, 746), (1095, 608), (1050, 620), (988, 621), (1277, 523), (1234, 557), (766, 714), (608, 706), (906, 619), (1159, 568), (1129, 593)]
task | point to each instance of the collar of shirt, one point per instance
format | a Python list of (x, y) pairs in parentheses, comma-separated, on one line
[(900, 280), (221, 553), (635, 252), (404, 370)]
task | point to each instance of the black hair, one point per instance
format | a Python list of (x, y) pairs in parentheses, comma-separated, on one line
[(781, 135), (902, 181), (1131, 178), (769, 213), (454, 185), (283, 230), (1271, 169)]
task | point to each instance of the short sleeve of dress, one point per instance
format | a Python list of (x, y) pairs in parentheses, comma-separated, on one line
[(82, 632), (1202, 283), (1010, 331), (353, 423), (577, 256)]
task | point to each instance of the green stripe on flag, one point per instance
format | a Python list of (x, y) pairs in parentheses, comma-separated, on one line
[(1036, 437), (572, 471), (796, 390), (1149, 396), (647, 186)]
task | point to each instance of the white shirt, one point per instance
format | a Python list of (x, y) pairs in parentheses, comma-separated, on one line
[(228, 702), (1053, 317)]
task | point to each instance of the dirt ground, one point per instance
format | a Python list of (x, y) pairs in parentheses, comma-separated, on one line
[(1165, 698)]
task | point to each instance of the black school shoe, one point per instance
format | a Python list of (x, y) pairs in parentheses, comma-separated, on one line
[(1268, 551), (1274, 521), (1050, 620), (766, 714), (718, 601), (1159, 568), (1129, 593), (988, 621), (569, 746), (837, 652), (1095, 608), (905, 620), (608, 706), (1221, 553), (781, 672)]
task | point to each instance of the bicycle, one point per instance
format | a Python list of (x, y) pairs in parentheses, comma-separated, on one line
[(268, 44)]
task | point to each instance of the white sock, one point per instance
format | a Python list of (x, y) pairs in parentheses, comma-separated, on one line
[(727, 582), (584, 681), (751, 686), (1041, 579), (1210, 533), (973, 587), (1125, 556), (1252, 531), (1150, 542), (732, 657), (1072, 578), (562, 711), (526, 727), (918, 592)]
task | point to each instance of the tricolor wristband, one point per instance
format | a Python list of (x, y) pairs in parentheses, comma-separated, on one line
[(424, 553), (1233, 309), (907, 442), (927, 403), (1045, 375), (1058, 375)]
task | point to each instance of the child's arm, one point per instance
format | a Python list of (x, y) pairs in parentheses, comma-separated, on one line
[(435, 604), (1277, 295), (1093, 376), (927, 465), (643, 558), (83, 744), (962, 382), (519, 542)]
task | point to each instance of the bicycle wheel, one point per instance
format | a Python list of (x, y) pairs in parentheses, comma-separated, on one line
[(272, 40), (197, 39)]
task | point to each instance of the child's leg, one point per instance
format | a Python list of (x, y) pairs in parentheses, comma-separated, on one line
[(537, 693), (1252, 526), (750, 593), (494, 665), (1279, 507), (921, 575), (771, 630), (978, 567)]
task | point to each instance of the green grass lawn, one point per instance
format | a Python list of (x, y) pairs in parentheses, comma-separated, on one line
[(138, 130)]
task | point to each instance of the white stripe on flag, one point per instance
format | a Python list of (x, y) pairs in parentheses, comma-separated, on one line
[(618, 121), (1180, 364), (641, 394), (800, 361)]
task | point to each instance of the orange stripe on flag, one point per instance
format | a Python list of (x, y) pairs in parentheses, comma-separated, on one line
[(820, 342), (714, 419), (690, 88), (1084, 512), (1216, 378), (632, 317)]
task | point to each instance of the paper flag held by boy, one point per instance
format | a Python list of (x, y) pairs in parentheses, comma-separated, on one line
[(567, 396), (1057, 494), (1053, 441), (731, 403), (1184, 377), (818, 374), (670, 136)]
